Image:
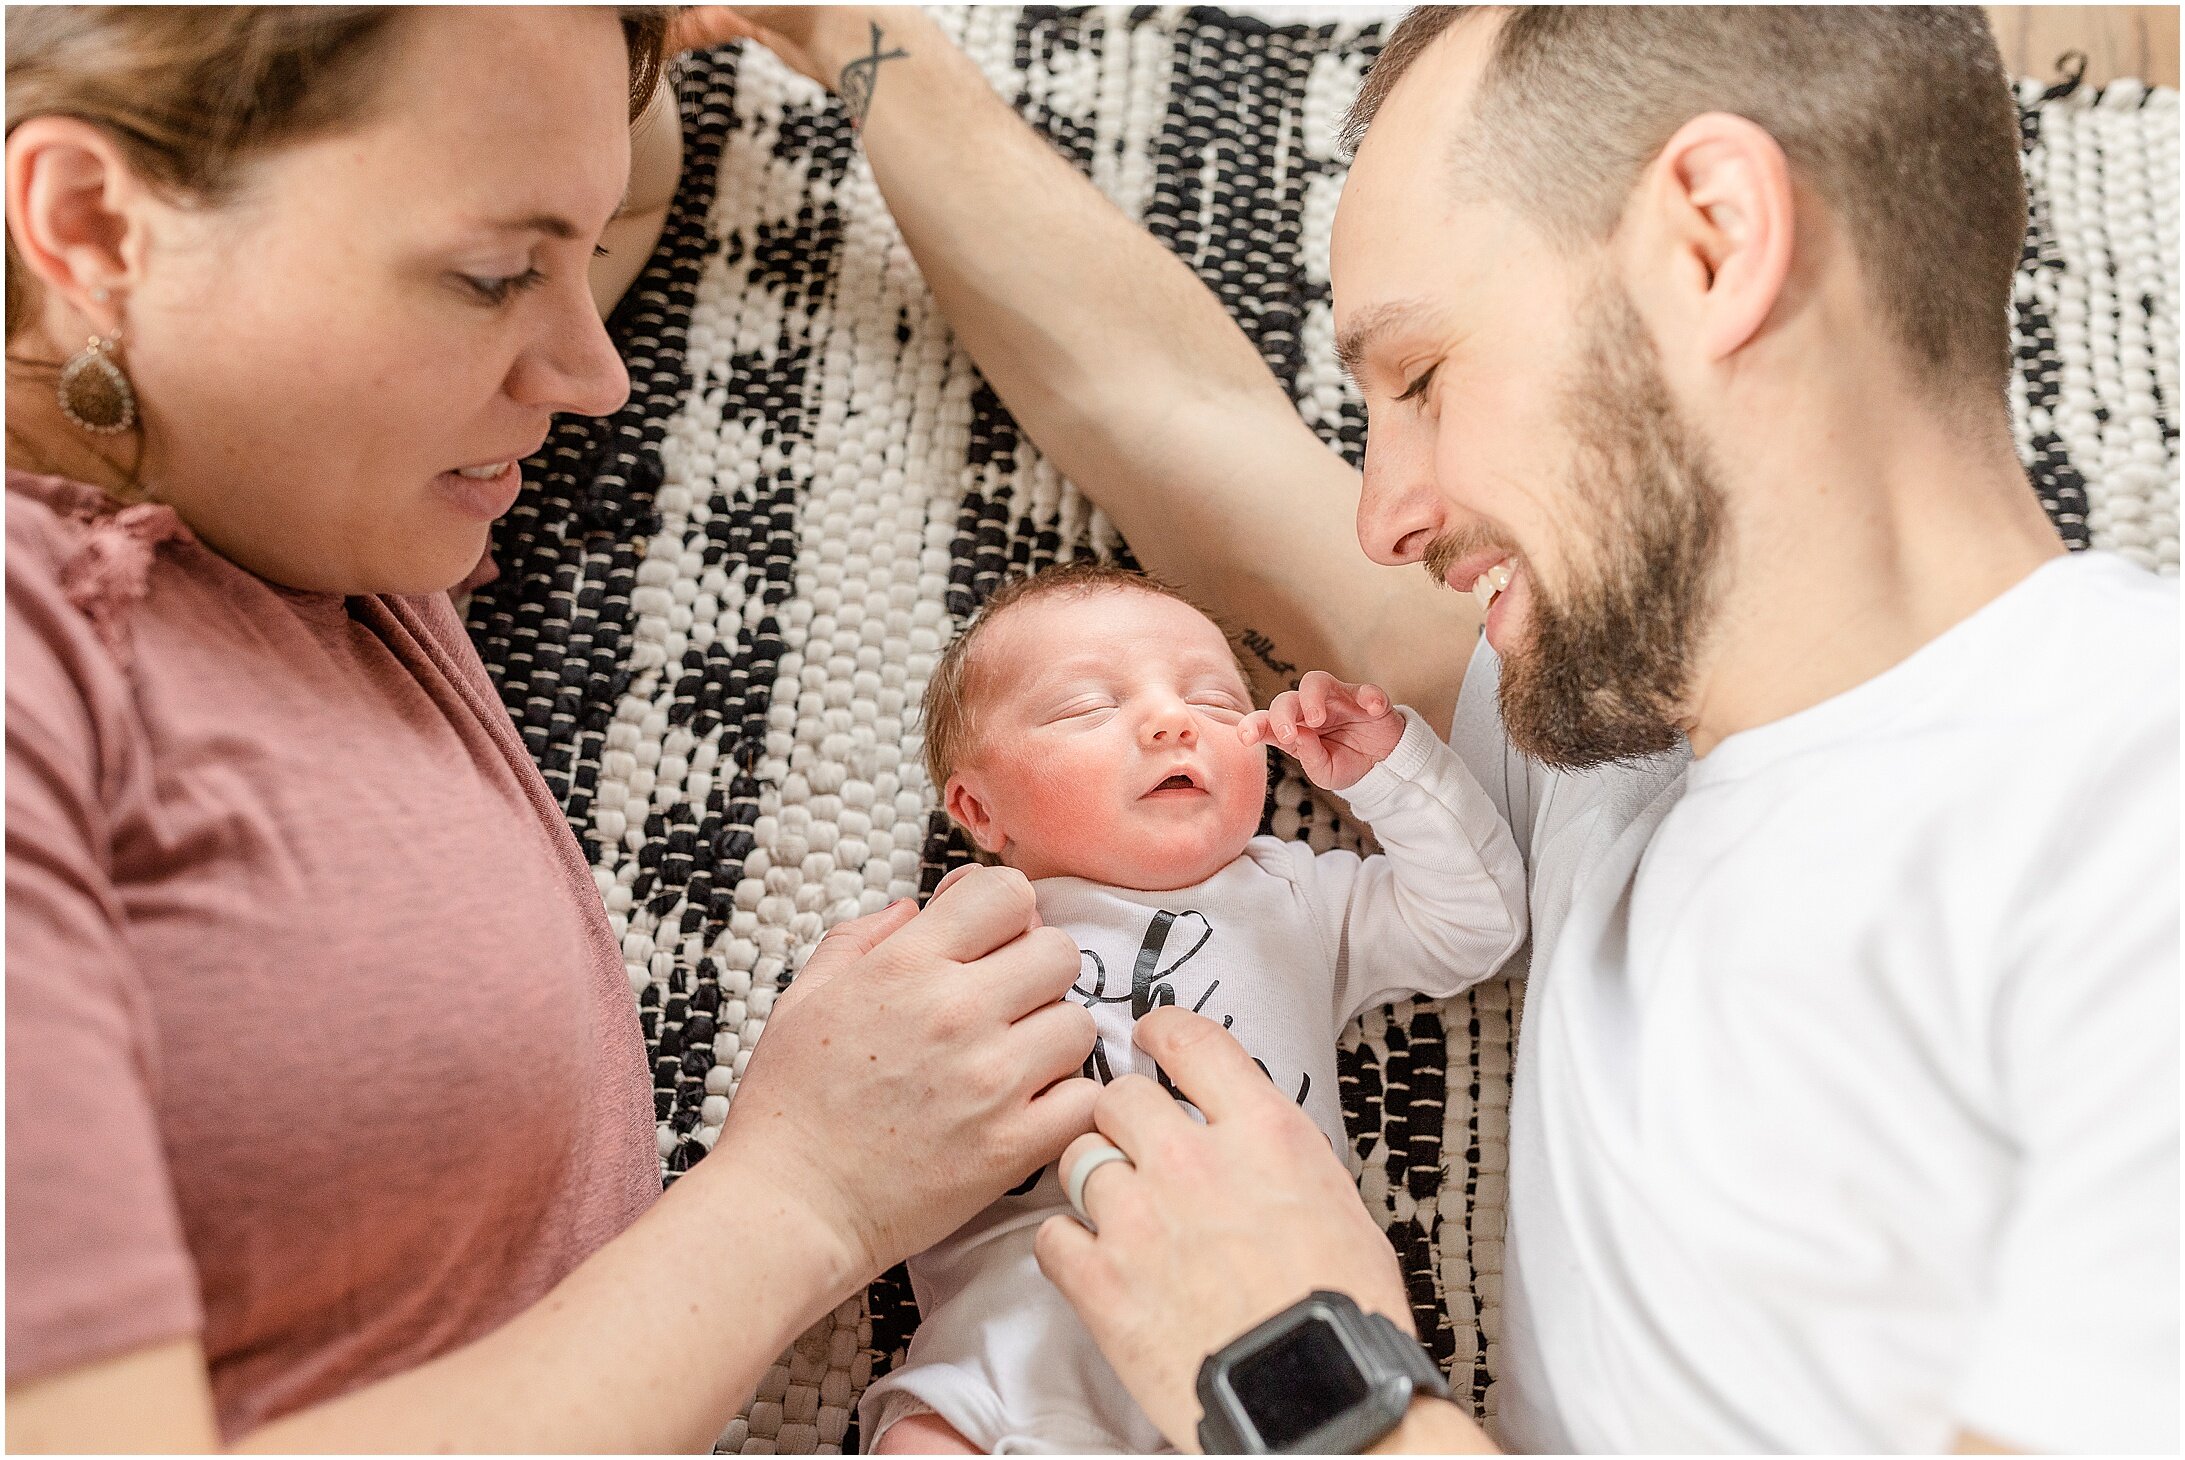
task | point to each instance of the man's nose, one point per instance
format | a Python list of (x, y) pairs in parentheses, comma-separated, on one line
[(1400, 507)]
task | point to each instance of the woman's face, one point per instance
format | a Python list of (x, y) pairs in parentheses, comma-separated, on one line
[(378, 310)]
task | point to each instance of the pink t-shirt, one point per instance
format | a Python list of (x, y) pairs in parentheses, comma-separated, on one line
[(319, 1045)]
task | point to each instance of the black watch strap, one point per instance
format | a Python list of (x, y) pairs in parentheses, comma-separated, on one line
[(1405, 1355), (1217, 1436)]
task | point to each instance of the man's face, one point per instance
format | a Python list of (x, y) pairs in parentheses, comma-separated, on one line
[(1522, 441)]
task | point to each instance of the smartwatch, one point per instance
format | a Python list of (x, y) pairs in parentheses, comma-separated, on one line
[(1319, 1378)]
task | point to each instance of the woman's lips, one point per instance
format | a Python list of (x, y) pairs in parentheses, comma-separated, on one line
[(484, 498)]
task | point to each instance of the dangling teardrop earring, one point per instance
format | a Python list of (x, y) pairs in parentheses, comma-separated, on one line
[(94, 392)]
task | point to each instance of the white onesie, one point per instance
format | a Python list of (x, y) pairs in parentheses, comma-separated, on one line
[(1287, 948)]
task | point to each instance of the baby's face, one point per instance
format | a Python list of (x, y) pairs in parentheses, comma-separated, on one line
[(1104, 743)]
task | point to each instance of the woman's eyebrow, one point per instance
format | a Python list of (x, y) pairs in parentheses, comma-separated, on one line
[(549, 223), (552, 224)]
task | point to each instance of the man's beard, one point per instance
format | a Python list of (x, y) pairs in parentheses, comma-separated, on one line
[(1605, 669)]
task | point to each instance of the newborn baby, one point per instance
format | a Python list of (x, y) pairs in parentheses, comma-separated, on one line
[(1093, 729)]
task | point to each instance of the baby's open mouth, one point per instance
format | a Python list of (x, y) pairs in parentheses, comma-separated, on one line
[(1176, 784)]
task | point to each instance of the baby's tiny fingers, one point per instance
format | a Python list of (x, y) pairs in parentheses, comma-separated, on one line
[(1373, 700), (1312, 694)]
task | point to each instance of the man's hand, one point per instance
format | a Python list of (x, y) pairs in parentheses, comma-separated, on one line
[(1336, 731), (1212, 1227), (919, 1066), (818, 41), (812, 40)]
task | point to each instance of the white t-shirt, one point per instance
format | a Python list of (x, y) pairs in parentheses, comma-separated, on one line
[(1846, 1107), (1285, 946)]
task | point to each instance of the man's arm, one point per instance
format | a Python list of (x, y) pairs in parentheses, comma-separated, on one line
[(1126, 370), (1435, 1427)]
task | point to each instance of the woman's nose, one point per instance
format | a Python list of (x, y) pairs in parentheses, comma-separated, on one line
[(574, 366)]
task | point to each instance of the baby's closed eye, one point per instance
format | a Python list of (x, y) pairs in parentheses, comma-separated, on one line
[(1081, 707)]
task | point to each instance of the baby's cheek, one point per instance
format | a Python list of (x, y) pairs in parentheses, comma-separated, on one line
[(1245, 773), (1074, 821)]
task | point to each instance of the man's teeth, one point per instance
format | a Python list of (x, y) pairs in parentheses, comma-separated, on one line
[(483, 473), (1489, 583)]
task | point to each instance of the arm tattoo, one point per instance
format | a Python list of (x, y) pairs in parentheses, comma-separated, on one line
[(862, 74), (1263, 649)]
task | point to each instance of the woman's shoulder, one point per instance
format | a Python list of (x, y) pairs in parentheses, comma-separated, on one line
[(46, 517), (76, 558)]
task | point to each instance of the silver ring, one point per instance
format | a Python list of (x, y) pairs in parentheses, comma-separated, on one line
[(1073, 1185)]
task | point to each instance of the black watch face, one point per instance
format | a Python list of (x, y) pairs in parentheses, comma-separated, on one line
[(1297, 1383)]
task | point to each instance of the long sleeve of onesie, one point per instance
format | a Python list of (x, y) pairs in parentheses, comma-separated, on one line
[(1443, 906)]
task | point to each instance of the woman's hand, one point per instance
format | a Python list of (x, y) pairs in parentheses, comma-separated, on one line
[(920, 1065), (1212, 1227)]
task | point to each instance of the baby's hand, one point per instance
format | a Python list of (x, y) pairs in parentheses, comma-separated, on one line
[(1336, 731)]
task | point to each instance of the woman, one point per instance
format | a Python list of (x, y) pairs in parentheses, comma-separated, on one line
[(327, 1117)]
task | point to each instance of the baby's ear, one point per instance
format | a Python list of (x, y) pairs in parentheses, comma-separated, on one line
[(971, 812)]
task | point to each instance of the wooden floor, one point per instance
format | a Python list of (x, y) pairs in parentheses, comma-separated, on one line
[(2139, 41)]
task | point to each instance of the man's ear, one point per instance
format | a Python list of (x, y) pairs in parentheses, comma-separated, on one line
[(964, 802), (1720, 220), (68, 192)]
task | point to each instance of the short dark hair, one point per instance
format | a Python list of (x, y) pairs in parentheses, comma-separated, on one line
[(1900, 117)]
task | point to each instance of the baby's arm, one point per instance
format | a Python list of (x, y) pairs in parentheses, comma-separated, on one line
[(1444, 906)]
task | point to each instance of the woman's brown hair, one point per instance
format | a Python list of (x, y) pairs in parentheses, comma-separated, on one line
[(191, 93)]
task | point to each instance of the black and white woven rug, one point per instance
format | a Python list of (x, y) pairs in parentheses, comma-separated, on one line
[(717, 610)]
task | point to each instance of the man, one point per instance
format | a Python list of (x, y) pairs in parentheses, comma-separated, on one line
[(1846, 1111)]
